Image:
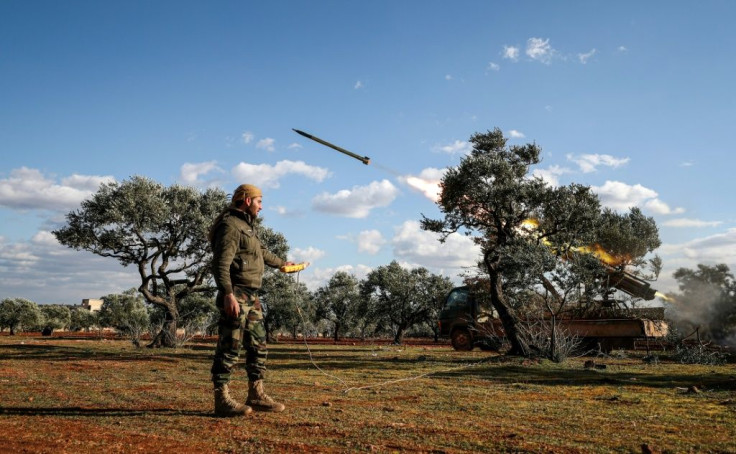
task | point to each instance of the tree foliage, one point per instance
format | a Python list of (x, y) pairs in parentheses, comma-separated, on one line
[(126, 313), (338, 302), (82, 319), (55, 317), (283, 299), (198, 314), (161, 231), (402, 298), (19, 314)]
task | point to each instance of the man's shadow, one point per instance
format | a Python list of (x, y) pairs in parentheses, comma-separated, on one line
[(94, 412)]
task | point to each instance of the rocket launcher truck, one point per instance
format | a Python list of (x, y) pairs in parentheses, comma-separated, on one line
[(468, 325)]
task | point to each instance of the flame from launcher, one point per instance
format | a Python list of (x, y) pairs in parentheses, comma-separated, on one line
[(664, 297), (603, 255), (530, 225)]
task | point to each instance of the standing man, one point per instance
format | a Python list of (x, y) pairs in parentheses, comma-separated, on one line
[(237, 266)]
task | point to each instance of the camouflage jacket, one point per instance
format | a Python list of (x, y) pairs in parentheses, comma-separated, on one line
[(238, 254)]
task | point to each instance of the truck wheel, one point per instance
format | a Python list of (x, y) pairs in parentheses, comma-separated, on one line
[(462, 340)]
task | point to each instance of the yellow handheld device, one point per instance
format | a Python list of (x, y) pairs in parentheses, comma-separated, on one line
[(294, 268)]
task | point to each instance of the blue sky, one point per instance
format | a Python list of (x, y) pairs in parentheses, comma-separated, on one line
[(635, 99)]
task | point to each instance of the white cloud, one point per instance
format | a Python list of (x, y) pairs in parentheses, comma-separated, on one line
[(320, 276), (310, 254), (540, 50), (428, 182), (358, 201), (295, 146), (415, 245), (551, 174), (27, 188), (370, 241), (514, 134), (68, 275), (622, 49), (190, 172), (659, 207), (685, 222), (621, 196), (590, 162), (510, 53), (17, 256), (448, 77), (287, 212), (709, 250), (358, 85), (44, 238), (457, 147), (247, 137), (493, 67), (266, 144), (269, 175), (585, 57), (687, 164), (85, 182)]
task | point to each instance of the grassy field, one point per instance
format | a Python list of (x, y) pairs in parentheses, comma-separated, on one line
[(65, 395)]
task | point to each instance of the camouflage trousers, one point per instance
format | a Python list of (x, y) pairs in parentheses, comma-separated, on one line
[(248, 331)]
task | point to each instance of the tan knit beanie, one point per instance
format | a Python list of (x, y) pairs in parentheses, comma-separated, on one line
[(244, 191)]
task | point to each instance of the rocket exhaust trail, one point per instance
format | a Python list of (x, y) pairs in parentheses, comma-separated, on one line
[(387, 169)]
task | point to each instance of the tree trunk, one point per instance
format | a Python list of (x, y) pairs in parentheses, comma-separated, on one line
[(167, 336), (553, 341), (508, 319), (553, 353), (337, 332), (267, 327), (399, 337)]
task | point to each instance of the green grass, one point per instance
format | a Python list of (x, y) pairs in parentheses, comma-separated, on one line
[(59, 395)]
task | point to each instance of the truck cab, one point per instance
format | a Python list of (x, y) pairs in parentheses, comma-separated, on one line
[(462, 319)]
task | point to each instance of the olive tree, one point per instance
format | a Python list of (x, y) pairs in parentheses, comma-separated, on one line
[(82, 319), (19, 314), (159, 230), (402, 298), (283, 299), (126, 313), (533, 237), (55, 317), (338, 301), (198, 315)]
